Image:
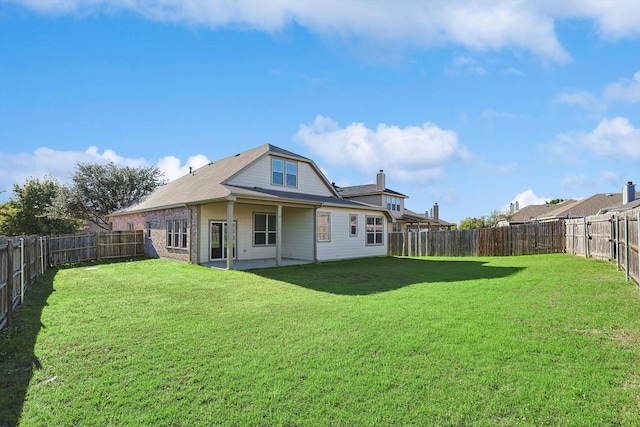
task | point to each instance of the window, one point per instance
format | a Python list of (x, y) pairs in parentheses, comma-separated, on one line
[(130, 226), (375, 229), (353, 225), (183, 243), (324, 227), (148, 226), (177, 233), (284, 173), (264, 229), (393, 203), (397, 227)]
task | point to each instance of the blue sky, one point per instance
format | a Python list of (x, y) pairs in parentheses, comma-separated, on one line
[(472, 105)]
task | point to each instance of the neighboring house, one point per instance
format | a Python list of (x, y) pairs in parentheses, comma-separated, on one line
[(279, 204), (583, 207), (630, 200), (596, 204), (532, 213), (403, 219)]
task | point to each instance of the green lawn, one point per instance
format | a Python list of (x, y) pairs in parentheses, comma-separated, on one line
[(535, 340)]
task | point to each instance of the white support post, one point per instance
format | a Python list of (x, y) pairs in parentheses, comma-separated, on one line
[(279, 236), (229, 236)]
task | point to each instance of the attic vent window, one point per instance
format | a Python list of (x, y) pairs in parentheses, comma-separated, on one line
[(284, 172)]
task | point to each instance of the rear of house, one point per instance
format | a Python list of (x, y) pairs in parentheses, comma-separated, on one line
[(265, 203)]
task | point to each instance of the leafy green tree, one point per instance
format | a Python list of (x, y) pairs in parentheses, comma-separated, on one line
[(555, 201), (99, 190), (470, 223), (485, 221), (27, 212)]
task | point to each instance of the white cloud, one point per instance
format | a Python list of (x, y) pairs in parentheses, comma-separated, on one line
[(611, 138), (413, 153), (577, 181), (583, 99), (172, 169), (465, 64), (526, 198), (17, 168), (625, 90), (479, 26), (614, 138)]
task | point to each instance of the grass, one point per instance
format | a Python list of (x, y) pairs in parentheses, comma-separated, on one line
[(536, 340)]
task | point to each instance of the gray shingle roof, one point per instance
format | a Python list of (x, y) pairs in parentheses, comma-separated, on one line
[(532, 212), (363, 190), (585, 207), (207, 184)]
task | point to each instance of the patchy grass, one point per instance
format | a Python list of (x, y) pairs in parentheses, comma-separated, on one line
[(536, 340)]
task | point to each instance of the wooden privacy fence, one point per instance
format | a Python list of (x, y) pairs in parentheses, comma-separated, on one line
[(527, 239), (22, 260), (612, 236), (74, 248)]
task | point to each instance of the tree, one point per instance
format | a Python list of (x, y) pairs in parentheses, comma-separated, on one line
[(485, 221), (555, 201), (27, 212), (99, 190)]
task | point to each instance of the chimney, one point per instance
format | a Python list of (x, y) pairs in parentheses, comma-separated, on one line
[(517, 205), (628, 193), (436, 214), (511, 207), (380, 181)]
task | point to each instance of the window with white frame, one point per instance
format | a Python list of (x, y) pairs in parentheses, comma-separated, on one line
[(393, 203), (397, 227), (375, 230), (353, 225), (264, 229), (177, 233), (324, 226), (284, 172), (130, 226), (183, 242), (148, 227)]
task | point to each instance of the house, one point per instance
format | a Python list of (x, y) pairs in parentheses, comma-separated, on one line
[(403, 219), (266, 203), (593, 205), (532, 213), (583, 207), (630, 200)]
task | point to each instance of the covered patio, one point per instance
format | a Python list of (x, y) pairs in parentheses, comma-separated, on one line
[(252, 264)]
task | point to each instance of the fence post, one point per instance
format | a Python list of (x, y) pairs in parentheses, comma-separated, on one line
[(626, 244), (21, 270), (9, 286), (638, 247), (618, 242), (586, 237), (427, 243)]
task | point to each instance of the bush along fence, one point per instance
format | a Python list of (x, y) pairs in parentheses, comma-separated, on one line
[(612, 237), (526, 239), (22, 261)]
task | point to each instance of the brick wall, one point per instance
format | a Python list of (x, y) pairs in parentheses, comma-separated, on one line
[(155, 245)]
